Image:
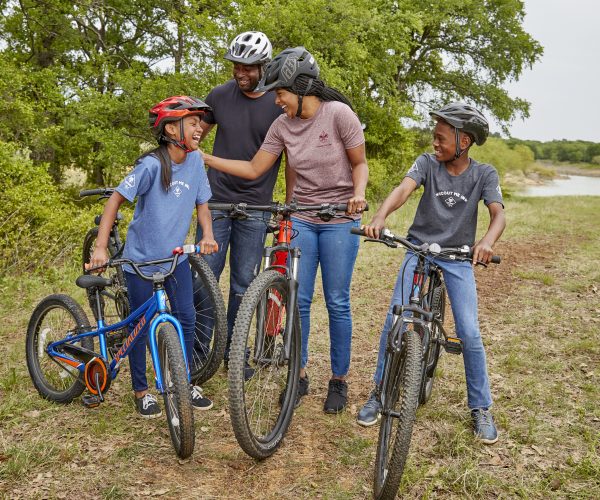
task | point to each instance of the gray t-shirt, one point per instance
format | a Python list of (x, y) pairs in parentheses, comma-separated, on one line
[(161, 219), (242, 124), (447, 211)]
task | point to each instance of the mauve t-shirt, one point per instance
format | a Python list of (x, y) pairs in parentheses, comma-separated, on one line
[(316, 150)]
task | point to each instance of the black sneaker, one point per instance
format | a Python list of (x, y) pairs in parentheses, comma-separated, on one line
[(199, 402), (302, 391), (337, 396), (483, 426), (147, 406)]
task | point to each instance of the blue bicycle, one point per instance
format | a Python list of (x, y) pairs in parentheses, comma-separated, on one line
[(62, 362)]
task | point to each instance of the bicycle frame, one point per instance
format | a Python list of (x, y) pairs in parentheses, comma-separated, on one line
[(146, 317), (278, 257)]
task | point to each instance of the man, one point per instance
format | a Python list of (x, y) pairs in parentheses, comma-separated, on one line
[(242, 117)]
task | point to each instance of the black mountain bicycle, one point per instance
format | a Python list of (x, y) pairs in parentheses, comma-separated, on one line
[(266, 335), (211, 319), (413, 348)]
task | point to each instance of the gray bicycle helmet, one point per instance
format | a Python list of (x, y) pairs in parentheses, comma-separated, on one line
[(466, 118), (285, 67), (250, 47)]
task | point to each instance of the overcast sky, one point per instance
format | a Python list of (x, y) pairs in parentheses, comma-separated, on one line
[(564, 86)]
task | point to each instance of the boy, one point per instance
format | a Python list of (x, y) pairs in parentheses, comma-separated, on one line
[(447, 215)]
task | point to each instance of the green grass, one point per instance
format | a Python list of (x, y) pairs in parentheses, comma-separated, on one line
[(539, 313)]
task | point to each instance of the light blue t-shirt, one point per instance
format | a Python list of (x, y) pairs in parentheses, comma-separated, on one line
[(161, 219)]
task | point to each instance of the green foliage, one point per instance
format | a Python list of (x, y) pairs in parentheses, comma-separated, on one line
[(39, 225), (563, 150), (499, 154)]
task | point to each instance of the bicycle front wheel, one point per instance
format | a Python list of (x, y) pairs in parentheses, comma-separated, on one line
[(210, 334), (176, 391), (400, 400), (55, 318), (262, 382)]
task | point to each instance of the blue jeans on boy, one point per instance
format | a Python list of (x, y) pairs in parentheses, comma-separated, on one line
[(460, 284), (179, 290), (245, 240), (335, 249)]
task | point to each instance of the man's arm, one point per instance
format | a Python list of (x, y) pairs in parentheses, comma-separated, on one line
[(206, 128)]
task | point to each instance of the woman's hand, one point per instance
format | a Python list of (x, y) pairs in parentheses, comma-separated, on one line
[(99, 258), (374, 228), (356, 204), (208, 245)]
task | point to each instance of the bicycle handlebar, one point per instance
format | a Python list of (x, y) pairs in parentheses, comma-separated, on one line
[(464, 253), (177, 252), (324, 210), (95, 192)]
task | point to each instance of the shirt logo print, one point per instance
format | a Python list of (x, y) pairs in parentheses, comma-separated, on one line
[(499, 189), (177, 191), (130, 181), (450, 202), (323, 136)]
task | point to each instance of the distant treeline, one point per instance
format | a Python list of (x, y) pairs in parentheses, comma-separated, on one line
[(563, 150)]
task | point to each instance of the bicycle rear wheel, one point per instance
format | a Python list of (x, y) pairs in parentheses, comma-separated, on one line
[(55, 318), (262, 406), (176, 391), (113, 299), (438, 308), (402, 374), (211, 322)]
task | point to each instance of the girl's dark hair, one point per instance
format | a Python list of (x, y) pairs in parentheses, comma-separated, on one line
[(162, 154), (305, 85)]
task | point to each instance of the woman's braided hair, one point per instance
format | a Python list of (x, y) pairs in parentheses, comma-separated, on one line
[(305, 85)]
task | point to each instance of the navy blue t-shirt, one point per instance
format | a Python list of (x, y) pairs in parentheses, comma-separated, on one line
[(447, 211), (242, 124)]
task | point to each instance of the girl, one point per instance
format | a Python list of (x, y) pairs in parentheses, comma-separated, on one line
[(326, 162), (168, 181)]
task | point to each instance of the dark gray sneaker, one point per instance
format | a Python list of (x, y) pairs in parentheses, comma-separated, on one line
[(302, 391), (371, 411), (483, 425), (147, 406), (337, 396)]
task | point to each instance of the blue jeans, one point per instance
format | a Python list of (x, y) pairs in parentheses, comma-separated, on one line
[(245, 240), (335, 249), (179, 290), (460, 284)]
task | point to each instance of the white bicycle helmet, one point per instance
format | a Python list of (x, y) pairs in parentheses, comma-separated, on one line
[(250, 47)]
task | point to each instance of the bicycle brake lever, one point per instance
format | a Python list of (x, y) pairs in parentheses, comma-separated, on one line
[(390, 244)]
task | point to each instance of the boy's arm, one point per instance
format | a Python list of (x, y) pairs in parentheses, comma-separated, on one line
[(100, 255), (393, 202), (482, 251), (207, 244)]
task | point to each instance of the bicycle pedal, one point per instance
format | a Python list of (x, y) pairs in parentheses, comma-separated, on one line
[(91, 401), (453, 345)]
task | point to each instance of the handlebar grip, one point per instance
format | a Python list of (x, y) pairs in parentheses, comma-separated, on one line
[(496, 259), (95, 192), (357, 230)]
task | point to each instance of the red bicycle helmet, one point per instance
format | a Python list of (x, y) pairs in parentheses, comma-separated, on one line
[(173, 109)]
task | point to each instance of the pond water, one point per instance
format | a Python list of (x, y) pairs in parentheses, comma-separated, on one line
[(574, 185)]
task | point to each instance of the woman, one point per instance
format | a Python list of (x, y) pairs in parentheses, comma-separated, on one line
[(326, 163)]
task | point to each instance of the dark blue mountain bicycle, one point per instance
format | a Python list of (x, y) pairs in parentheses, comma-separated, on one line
[(62, 362)]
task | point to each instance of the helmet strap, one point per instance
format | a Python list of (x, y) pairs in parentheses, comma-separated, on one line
[(179, 143), (301, 97), (459, 152)]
